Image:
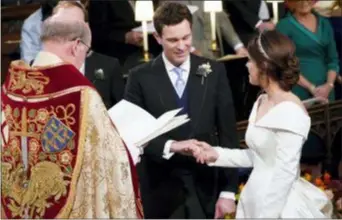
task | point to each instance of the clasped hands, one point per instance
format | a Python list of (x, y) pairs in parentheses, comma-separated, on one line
[(203, 152)]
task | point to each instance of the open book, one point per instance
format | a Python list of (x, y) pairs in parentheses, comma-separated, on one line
[(137, 126)]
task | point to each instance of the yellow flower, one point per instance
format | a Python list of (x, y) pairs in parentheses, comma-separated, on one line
[(241, 187), (308, 177)]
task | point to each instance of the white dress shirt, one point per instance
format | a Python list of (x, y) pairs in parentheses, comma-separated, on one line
[(173, 77)]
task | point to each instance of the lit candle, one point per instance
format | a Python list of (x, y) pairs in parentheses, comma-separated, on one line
[(213, 25), (275, 11), (144, 27)]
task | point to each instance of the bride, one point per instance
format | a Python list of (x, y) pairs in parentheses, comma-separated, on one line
[(278, 127)]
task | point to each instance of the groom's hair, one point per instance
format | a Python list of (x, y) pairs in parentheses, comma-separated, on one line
[(170, 13)]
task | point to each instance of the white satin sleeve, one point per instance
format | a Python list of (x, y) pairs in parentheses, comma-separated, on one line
[(285, 171), (233, 158)]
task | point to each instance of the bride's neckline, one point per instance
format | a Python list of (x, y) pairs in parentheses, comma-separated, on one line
[(255, 118)]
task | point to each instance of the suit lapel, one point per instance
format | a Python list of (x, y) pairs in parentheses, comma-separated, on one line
[(167, 94), (90, 68), (196, 91)]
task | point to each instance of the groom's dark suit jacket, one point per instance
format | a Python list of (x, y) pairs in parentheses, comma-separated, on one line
[(179, 187), (112, 85)]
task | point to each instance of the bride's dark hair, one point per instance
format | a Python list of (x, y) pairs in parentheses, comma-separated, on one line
[(274, 54)]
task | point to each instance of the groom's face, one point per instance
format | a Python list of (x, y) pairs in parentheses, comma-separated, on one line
[(176, 41)]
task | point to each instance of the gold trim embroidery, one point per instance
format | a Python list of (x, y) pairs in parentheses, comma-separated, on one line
[(64, 213), (27, 82), (46, 181), (22, 65), (30, 123), (34, 99)]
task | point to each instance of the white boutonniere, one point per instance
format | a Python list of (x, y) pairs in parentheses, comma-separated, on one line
[(204, 70), (99, 74)]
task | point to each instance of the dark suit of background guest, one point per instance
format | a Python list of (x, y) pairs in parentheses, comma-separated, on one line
[(244, 15), (171, 186), (109, 22), (110, 84)]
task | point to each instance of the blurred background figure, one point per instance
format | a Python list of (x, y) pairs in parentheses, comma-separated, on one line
[(316, 50), (111, 23), (30, 43), (248, 17)]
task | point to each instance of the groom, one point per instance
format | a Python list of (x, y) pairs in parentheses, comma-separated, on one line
[(172, 184)]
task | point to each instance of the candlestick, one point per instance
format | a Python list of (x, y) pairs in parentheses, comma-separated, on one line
[(213, 25), (145, 39), (275, 11)]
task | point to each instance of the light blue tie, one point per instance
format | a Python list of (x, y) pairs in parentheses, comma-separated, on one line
[(180, 83)]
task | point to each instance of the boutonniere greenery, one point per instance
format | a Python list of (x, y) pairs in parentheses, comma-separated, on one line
[(99, 74), (204, 70)]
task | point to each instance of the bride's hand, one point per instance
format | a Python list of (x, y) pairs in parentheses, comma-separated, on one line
[(205, 154)]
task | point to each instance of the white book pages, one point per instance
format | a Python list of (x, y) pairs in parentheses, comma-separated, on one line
[(174, 123), (137, 126)]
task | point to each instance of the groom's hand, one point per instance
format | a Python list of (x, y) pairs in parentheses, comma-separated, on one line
[(206, 154), (188, 147), (224, 207)]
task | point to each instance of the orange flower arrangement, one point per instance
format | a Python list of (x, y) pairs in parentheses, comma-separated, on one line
[(332, 188)]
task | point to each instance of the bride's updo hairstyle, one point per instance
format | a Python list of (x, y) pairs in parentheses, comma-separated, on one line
[(274, 55)]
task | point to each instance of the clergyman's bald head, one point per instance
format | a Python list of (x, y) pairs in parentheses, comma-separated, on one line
[(69, 39)]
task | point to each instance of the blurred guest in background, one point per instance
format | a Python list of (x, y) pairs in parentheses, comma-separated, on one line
[(111, 23), (248, 17), (316, 50), (30, 43)]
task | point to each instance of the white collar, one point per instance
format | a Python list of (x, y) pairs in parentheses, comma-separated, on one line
[(45, 58), (170, 67)]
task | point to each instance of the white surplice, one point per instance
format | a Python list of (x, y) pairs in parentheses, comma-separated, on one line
[(274, 188)]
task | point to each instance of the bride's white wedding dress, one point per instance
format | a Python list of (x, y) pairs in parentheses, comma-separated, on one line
[(274, 188)]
